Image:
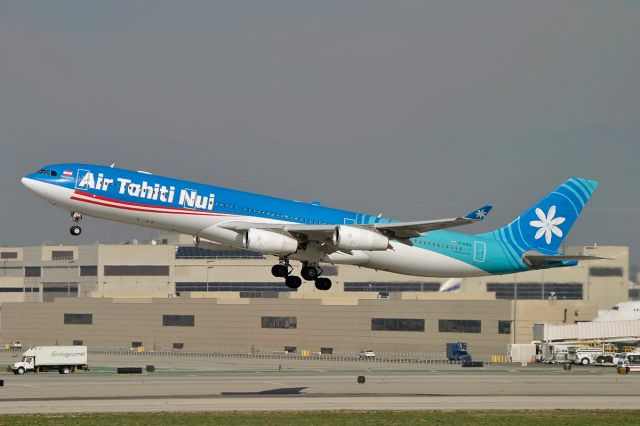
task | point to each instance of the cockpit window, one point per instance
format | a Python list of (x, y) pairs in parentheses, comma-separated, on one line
[(48, 172)]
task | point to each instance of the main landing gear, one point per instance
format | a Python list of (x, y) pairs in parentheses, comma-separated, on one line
[(75, 230), (308, 272)]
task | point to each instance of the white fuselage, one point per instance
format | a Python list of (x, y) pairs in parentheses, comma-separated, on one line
[(400, 258)]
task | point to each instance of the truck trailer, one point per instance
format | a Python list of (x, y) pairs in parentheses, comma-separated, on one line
[(64, 359)]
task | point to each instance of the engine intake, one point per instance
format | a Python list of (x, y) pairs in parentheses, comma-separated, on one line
[(352, 238), (269, 242)]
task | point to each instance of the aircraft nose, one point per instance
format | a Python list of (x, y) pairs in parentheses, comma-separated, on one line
[(27, 182), (34, 185)]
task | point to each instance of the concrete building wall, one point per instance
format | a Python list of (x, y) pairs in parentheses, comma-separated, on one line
[(238, 326)]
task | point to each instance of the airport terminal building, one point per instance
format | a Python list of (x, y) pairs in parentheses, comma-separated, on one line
[(172, 295)]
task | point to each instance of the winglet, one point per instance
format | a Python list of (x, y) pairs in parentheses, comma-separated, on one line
[(479, 214)]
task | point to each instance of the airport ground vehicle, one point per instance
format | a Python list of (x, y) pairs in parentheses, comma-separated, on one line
[(64, 359), (457, 351), (632, 360), (16, 344), (586, 356), (522, 352), (367, 354), (611, 359)]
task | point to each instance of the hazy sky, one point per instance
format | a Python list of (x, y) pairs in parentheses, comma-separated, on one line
[(419, 110)]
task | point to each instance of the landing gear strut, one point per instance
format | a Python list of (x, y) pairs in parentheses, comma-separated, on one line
[(75, 230), (312, 273), (283, 270), (308, 272)]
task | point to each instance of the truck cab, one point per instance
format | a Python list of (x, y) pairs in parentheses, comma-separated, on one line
[(28, 363)]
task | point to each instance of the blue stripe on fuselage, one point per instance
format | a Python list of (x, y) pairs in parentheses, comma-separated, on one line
[(496, 258)]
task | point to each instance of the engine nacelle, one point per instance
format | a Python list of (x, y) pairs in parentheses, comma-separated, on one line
[(352, 238), (269, 242)]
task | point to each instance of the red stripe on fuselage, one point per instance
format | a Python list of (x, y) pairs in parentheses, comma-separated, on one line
[(123, 205)]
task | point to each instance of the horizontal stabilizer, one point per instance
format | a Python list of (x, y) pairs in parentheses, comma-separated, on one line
[(541, 260)]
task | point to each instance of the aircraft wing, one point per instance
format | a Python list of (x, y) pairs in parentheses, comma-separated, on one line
[(395, 230)]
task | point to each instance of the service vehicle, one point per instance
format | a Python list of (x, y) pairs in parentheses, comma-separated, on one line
[(457, 352), (367, 354), (632, 360), (64, 359)]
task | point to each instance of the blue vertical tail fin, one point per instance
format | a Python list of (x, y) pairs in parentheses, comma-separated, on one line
[(545, 225)]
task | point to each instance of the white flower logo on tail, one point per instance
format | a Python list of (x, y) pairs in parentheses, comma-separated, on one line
[(547, 224)]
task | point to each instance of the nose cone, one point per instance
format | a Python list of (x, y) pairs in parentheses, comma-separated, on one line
[(36, 186), (28, 182)]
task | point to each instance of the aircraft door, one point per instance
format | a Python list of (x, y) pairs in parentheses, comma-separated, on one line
[(479, 251)]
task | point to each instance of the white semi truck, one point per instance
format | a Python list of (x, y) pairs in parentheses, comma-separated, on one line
[(64, 359)]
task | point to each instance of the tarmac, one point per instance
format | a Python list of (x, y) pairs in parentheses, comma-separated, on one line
[(226, 384)]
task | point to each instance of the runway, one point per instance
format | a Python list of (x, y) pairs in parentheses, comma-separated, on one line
[(247, 385)]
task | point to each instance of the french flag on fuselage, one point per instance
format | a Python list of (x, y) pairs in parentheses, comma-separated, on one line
[(67, 173)]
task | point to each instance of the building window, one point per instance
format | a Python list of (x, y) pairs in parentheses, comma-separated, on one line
[(88, 271), (605, 272), (177, 345), (391, 286), (504, 327), (178, 320), (459, 326), (83, 319), (136, 270), (9, 255), (77, 343), (250, 286), (397, 324), (62, 255), (135, 345), (279, 322), (326, 351), (12, 289), (190, 252), (536, 291), (290, 349), (32, 271)]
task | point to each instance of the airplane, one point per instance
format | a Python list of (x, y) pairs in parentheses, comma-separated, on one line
[(314, 234)]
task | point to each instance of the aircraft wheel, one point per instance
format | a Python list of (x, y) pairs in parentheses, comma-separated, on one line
[(279, 271), (309, 273), (293, 282), (75, 230), (323, 284)]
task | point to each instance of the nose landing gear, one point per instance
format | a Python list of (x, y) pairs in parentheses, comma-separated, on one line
[(75, 230)]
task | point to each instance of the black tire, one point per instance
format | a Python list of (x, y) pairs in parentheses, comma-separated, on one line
[(20, 370), (585, 361), (309, 273), (64, 370), (293, 282), (601, 359), (323, 284), (75, 230), (279, 271)]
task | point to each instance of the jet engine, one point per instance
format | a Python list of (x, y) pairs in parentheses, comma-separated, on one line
[(352, 238), (269, 242)]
